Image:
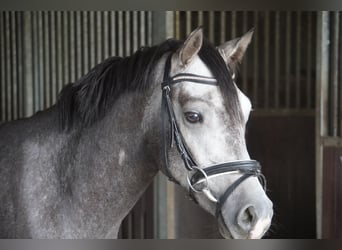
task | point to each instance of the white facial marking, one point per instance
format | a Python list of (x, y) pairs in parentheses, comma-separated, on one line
[(260, 228), (245, 103), (210, 141), (122, 156)]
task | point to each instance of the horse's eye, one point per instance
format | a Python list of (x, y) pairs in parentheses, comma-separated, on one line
[(193, 117)]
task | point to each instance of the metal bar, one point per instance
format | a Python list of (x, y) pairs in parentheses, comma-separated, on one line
[(78, 45), (8, 81), (200, 18), (105, 35), (72, 45), (298, 60), (53, 57), (322, 80), (58, 52), (135, 31), (223, 27), (170, 204), (37, 62), (333, 97), (92, 40), (14, 72), (20, 64), (112, 33), (212, 26), (149, 24), (288, 55), (98, 35), (128, 34), (45, 83), (177, 25), (188, 22), (41, 71), (85, 38), (267, 60), (169, 25), (142, 28), (66, 48), (120, 33)]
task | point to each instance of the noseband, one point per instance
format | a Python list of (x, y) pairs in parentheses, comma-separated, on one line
[(246, 168)]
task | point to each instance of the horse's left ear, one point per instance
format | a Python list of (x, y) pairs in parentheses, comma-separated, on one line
[(191, 46), (234, 50)]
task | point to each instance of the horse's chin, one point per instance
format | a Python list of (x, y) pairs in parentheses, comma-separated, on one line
[(226, 233)]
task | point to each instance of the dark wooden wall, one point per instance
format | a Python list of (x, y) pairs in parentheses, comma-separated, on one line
[(285, 146), (332, 193)]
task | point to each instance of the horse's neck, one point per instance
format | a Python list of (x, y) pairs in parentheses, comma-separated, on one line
[(114, 163)]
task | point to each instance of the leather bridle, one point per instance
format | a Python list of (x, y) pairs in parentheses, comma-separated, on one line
[(247, 168)]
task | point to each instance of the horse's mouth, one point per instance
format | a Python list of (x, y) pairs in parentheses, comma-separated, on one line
[(253, 234)]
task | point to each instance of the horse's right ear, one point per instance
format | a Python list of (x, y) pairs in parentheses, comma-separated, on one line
[(191, 46), (233, 51)]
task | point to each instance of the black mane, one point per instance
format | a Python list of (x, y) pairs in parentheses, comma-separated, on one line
[(84, 102)]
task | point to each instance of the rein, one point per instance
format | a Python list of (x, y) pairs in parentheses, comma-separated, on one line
[(247, 168)]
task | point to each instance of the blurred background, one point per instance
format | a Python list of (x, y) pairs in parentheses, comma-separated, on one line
[(291, 72)]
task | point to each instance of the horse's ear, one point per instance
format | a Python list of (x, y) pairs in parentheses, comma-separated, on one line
[(234, 50), (191, 46)]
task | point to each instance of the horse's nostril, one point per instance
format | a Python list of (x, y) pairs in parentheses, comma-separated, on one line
[(247, 218)]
